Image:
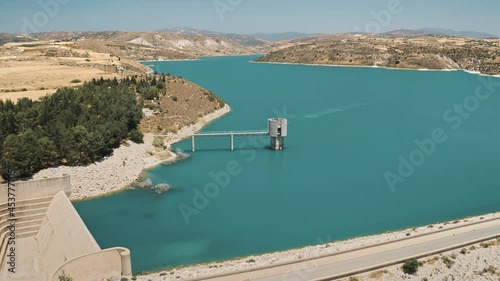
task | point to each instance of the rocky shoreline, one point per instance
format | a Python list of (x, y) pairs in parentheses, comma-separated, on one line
[(433, 267), (381, 67), (126, 164)]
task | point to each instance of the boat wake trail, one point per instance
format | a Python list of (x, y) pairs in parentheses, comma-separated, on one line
[(330, 111)]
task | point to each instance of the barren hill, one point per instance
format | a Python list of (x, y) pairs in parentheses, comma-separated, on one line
[(33, 65), (152, 45), (418, 52)]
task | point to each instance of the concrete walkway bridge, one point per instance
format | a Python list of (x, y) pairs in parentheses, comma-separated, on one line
[(277, 130), (230, 135)]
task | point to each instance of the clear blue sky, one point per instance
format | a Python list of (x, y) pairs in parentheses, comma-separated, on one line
[(311, 16)]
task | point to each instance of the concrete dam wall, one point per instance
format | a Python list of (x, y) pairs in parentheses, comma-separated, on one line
[(42, 236)]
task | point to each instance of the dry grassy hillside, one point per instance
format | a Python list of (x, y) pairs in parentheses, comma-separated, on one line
[(421, 52), (150, 45), (38, 68), (182, 104), (132, 51)]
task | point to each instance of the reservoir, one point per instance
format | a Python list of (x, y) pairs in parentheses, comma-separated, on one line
[(368, 151)]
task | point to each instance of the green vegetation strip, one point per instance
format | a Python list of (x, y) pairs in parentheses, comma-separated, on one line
[(74, 126)]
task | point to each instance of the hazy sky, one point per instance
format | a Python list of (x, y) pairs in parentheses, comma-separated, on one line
[(248, 16)]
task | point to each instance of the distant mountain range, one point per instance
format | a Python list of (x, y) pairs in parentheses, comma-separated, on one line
[(245, 40), (274, 37), (254, 39), (441, 31), (261, 38), (255, 42)]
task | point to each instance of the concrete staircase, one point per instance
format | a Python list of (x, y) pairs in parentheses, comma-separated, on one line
[(28, 218)]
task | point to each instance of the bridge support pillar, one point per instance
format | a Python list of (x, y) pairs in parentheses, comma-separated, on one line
[(232, 142), (193, 147)]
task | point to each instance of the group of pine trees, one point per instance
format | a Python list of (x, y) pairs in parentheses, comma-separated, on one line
[(73, 126)]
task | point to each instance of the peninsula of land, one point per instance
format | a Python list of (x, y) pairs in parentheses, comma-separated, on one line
[(176, 108)]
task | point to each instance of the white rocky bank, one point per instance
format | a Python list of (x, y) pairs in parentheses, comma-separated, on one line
[(479, 262), (109, 175)]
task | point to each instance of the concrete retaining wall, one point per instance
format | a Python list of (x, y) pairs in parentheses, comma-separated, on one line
[(25, 190), (102, 264), (62, 236)]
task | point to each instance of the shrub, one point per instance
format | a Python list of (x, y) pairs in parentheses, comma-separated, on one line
[(124, 279), (64, 277), (174, 129), (353, 278), (448, 262), (74, 81), (491, 269), (158, 142), (174, 98), (149, 92), (160, 85), (377, 274), (411, 266), (136, 136)]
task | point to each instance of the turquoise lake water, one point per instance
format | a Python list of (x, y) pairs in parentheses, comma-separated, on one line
[(347, 128)]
